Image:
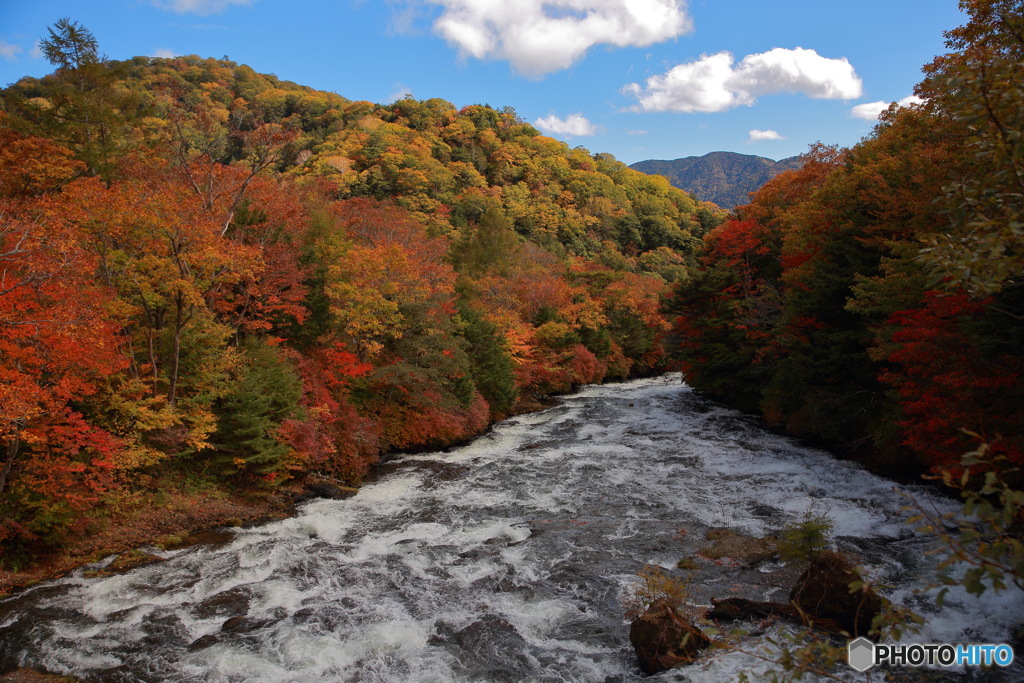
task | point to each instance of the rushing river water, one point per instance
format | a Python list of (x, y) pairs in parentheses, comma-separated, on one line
[(506, 559)]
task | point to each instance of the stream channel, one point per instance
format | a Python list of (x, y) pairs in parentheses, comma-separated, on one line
[(506, 559)]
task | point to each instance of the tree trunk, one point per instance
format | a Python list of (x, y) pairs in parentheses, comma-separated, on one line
[(176, 358), (11, 453)]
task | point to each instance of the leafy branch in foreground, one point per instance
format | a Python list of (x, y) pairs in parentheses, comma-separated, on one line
[(985, 537)]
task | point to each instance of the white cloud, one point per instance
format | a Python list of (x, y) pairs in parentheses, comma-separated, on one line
[(164, 52), (400, 93), (636, 132), (871, 110), (36, 52), (716, 82), (9, 51), (575, 125), (541, 36), (201, 7), (760, 135)]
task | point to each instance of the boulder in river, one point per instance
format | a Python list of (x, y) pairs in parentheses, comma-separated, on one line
[(323, 488), (664, 639), (823, 592)]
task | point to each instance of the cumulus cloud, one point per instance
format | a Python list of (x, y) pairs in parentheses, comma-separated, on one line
[(164, 53), (201, 7), (716, 82), (760, 135), (574, 125), (541, 36), (870, 111), (9, 51), (400, 93)]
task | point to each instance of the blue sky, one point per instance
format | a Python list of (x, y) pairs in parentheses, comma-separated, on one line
[(642, 79)]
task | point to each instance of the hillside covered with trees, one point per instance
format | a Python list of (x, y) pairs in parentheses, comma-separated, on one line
[(723, 178), (872, 300), (220, 281)]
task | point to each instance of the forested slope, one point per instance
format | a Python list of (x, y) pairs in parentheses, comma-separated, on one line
[(213, 278), (724, 178)]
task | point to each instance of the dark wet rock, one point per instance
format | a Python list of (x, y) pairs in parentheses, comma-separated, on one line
[(441, 472), (473, 554), (323, 618), (204, 642), (245, 624), (12, 634), (741, 609), (238, 626), (823, 593), (482, 634), (505, 585), (160, 629), (730, 609), (306, 615), (523, 540), (233, 602), (490, 648), (664, 639), (762, 510), (323, 489)]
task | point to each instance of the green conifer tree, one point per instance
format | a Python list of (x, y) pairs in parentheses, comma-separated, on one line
[(491, 364), (266, 393)]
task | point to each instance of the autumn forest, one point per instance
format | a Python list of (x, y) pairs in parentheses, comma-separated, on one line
[(214, 276), (218, 282)]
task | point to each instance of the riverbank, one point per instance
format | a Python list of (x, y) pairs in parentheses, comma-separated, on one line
[(174, 524)]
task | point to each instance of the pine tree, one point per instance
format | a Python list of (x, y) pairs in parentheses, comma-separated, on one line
[(266, 393), (87, 111), (70, 46), (491, 363)]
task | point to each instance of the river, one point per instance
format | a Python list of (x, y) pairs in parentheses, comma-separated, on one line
[(505, 559)]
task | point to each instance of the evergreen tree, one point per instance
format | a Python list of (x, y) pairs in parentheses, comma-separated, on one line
[(486, 245), (491, 364), (266, 393), (86, 106), (70, 46)]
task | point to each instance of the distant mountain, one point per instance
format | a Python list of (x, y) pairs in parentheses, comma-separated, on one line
[(724, 178)]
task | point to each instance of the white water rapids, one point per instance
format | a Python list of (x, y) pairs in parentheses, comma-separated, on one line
[(506, 559)]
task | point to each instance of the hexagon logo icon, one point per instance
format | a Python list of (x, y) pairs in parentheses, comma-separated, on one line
[(861, 654)]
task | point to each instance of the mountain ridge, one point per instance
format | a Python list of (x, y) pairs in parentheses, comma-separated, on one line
[(725, 178)]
